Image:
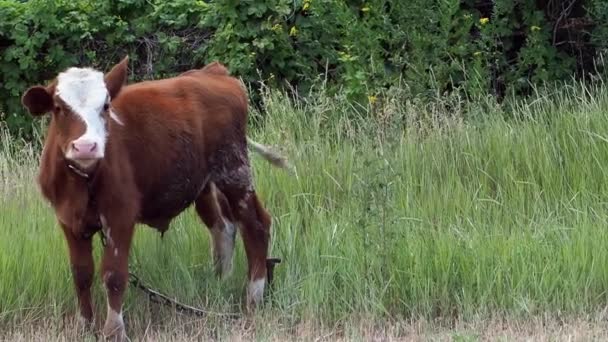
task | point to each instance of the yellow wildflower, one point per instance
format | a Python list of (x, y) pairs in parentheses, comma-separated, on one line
[(277, 28), (306, 6), (535, 28), (372, 99), (477, 53), (293, 32), (484, 21), (365, 9)]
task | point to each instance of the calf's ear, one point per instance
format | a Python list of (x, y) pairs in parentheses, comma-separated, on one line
[(38, 100), (117, 77)]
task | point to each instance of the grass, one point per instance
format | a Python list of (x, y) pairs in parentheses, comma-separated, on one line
[(447, 212)]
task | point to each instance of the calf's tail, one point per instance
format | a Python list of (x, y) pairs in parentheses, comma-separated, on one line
[(272, 156)]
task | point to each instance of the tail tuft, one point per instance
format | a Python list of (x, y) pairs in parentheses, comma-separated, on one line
[(273, 157)]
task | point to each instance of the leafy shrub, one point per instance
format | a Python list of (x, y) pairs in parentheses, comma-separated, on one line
[(598, 12), (39, 38), (360, 48)]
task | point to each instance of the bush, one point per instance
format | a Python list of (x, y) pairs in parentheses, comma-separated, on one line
[(360, 48), (39, 38)]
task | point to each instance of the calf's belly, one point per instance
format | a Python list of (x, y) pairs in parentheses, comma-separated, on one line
[(172, 194)]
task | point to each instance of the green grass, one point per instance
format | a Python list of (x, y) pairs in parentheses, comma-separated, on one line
[(405, 212)]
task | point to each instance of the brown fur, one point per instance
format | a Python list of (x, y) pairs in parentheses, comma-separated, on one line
[(179, 136)]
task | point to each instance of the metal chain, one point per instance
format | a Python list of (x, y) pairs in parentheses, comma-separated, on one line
[(159, 298)]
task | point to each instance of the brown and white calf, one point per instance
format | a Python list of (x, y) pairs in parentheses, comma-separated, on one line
[(116, 155)]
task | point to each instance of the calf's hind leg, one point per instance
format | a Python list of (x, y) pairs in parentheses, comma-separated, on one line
[(213, 209), (255, 224)]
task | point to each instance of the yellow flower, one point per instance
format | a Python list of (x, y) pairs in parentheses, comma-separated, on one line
[(365, 9), (484, 21), (535, 28), (293, 32), (477, 53), (277, 28), (306, 6), (372, 99)]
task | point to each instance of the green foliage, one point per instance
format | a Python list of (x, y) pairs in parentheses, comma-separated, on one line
[(599, 14), (359, 47), (301, 43), (39, 38)]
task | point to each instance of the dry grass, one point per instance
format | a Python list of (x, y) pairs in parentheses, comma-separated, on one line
[(180, 329)]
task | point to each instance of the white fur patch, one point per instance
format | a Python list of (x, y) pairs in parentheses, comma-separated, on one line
[(115, 324), (84, 90), (229, 231), (106, 230), (115, 117), (224, 246), (223, 239), (115, 317), (255, 291)]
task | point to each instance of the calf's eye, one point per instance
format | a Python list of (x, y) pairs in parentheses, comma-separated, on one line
[(106, 107)]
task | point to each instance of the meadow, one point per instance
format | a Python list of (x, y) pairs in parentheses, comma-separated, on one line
[(403, 219)]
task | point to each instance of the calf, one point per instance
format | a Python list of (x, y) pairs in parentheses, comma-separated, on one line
[(116, 155)]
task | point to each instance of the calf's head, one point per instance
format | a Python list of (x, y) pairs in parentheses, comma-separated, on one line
[(79, 100)]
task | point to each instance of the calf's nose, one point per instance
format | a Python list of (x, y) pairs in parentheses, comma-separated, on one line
[(84, 146)]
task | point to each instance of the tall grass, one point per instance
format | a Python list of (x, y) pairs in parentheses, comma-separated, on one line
[(399, 210)]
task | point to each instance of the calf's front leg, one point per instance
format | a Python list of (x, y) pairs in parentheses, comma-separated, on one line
[(83, 268), (115, 275)]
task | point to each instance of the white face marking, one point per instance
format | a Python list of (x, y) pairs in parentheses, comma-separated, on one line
[(84, 90), (255, 291)]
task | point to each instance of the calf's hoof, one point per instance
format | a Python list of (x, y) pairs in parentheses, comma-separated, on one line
[(115, 335), (255, 293), (114, 329), (84, 322)]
